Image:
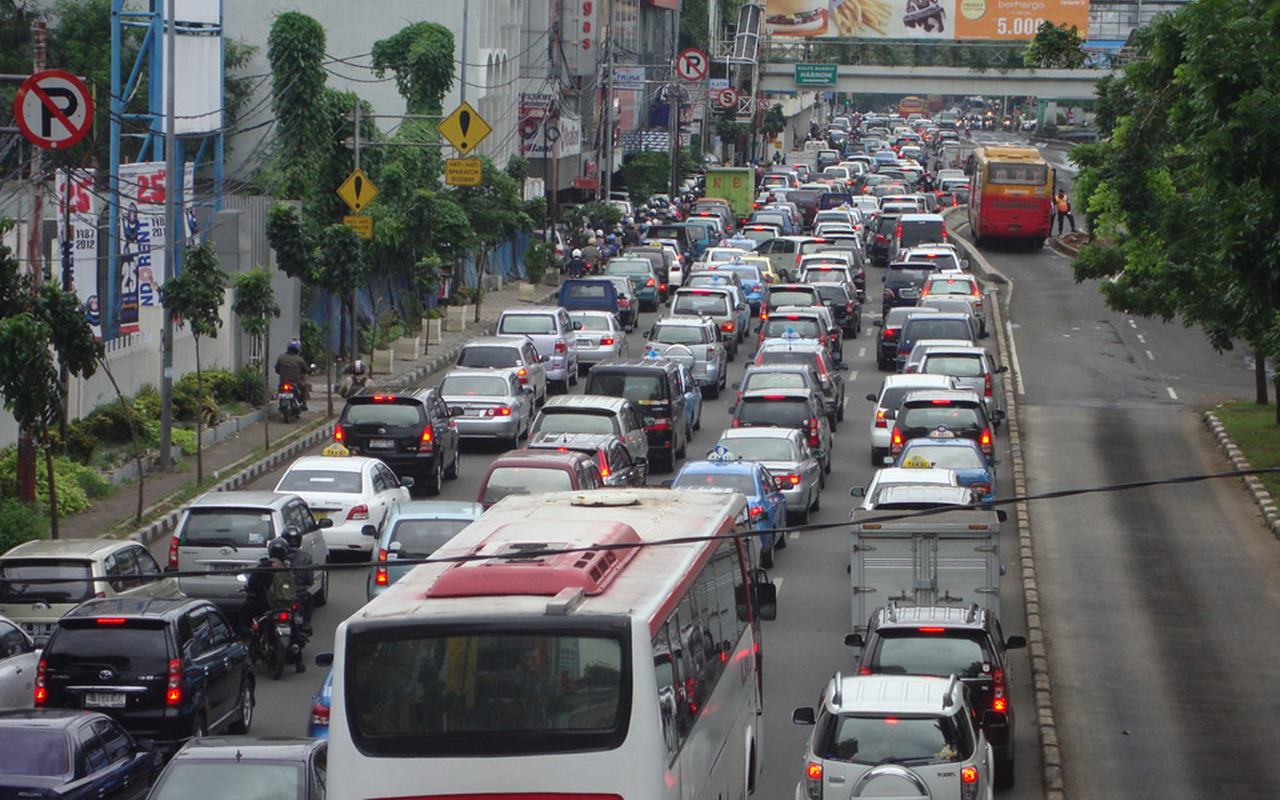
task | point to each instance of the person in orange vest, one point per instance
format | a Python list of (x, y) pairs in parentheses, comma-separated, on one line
[(1062, 206)]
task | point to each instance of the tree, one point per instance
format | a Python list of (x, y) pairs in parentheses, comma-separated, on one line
[(1194, 144), (421, 56), (195, 298), (646, 174), (1055, 47), (296, 52), (496, 212), (255, 306)]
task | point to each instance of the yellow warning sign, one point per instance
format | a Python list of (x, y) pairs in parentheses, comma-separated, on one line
[(357, 191), (463, 171), (362, 224), (464, 128), (335, 449)]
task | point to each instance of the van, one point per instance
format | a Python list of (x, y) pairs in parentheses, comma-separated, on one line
[(588, 295), (551, 331)]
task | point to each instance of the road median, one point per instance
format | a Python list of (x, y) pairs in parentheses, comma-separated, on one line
[(1250, 439)]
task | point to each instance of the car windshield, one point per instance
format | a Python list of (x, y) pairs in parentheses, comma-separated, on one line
[(926, 328), (419, 538), (27, 752), (959, 366), (571, 420), (786, 413), (387, 415), (66, 578), (642, 388), (791, 297), (761, 449), (227, 527), (944, 457), (712, 304), (678, 334), (931, 654), (321, 480), (803, 327), (527, 323), (593, 323), (896, 278), (950, 286), (505, 481), (485, 356), (949, 417), (249, 780), (716, 479), (462, 385), (832, 293), (889, 739)]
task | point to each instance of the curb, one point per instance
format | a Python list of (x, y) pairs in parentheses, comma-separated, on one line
[(1050, 751), (165, 524), (1266, 504)]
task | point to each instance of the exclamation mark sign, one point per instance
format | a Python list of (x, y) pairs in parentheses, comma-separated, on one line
[(464, 122), (359, 186)]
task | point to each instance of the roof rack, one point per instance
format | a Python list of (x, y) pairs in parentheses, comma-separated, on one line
[(837, 695), (973, 613), (947, 702)]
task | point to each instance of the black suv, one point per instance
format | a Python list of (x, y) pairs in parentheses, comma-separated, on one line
[(412, 432), (165, 668), (842, 299), (653, 385), (617, 467), (943, 641), (945, 414), (902, 285)]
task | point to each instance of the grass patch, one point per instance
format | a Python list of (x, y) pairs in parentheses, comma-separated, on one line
[(1253, 428)]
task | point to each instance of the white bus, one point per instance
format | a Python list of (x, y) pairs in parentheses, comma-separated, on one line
[(610, 674)]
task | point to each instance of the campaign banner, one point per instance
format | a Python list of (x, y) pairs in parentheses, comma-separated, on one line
[(82, 261), (936, 20), (142, 237)]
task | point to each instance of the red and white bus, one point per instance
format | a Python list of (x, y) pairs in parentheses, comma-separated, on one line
[(606, 674), (1011, 196)]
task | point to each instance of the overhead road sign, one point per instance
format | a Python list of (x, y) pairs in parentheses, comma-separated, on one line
[(463, 171), (691, 64), (815, 74), (464, 128), (357, 191), (54, 109)]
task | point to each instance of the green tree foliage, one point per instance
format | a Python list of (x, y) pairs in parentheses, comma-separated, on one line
[(647, 174), (495, 210), (1182, 199), (774, 122), (421, 57), (255, 307), (296, 52), (1055, 47)]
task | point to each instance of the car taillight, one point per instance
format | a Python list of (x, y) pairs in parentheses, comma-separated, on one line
[(711, 353), (981, 488), (606, 341), (897, 232), (985, 441), (727, 327), (814, 441), (624, 302), (523, 375), (424, 443), (500, 411), (999, 702), (358, 512), (173, 551), (173, 694), (890, 334), (986, 385), (757, 512), (881, 421), (848, 308), (651, 282), (944, 232), (968, 783), (380, 577), (735, 423), (320, 715), (895, 441), (561, 347), (813, 780), (788, 480), (42, 690)]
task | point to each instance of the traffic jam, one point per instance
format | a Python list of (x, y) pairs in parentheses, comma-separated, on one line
[(554, 571)]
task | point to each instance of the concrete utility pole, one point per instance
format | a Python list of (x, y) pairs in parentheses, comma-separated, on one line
[(173, 184), (551, 175), (462, 70), (673, 102), (607, 183)]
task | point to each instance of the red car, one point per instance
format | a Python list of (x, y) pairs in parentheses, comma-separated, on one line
[(536, 471)]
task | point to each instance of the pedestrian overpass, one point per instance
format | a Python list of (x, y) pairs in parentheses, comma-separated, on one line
[(1045, 84)]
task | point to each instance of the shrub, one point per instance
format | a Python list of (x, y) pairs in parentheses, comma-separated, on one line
[(20, 523), (313, 349), (249, 386), (76, 483), (147, 402), (185, 439)]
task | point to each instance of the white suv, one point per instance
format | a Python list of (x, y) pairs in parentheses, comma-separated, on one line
[(895, 736)]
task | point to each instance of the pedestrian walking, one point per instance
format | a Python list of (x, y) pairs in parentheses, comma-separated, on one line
[(1062, 206)]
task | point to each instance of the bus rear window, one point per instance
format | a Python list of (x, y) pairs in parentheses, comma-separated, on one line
[(1006, 174), (417, 693)]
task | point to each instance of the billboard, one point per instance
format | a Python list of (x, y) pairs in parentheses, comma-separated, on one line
[(935, 20)]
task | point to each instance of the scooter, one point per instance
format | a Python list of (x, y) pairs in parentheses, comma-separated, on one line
[(289, 401), (278, 638)]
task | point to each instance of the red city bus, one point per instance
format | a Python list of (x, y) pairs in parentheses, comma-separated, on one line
[(1012, 195)]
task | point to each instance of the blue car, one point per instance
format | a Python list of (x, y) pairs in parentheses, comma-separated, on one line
[(965, 456), (73, 754), (724, 470), (321, 701)]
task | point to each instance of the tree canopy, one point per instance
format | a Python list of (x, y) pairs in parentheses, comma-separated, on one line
[(1055, 47)]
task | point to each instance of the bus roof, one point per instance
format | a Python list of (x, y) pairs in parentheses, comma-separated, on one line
[(637, 582), (1010, 153)]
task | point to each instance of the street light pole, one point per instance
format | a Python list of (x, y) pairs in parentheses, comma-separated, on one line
[(173, 183)]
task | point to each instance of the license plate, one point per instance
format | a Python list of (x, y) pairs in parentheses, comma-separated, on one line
[(286, 395), (382, 444), (474, 412), (224, 567), (586, 343), (282, 630), (321, 514), (104, 700), (908, 292)]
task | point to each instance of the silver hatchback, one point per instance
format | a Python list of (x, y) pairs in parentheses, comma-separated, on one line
[(700, 337), (488, 404), (794, 465)]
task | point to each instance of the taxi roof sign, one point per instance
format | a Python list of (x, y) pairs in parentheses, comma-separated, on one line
[(917, 462), (722, 453), (335, 450)]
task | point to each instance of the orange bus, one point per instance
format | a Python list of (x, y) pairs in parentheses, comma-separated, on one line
[(1011, 195), (912, 105)]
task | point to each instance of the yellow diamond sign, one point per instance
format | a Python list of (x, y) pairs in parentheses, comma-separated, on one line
[(357, 191), (464, 128)]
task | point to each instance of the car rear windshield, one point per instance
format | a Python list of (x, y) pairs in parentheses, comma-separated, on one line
[(134, 647), (418, 692), (893, 739), (791, 297), (1006, 174), (593, 323), (926, 328), (68, 581), (462, 385), (641, 388), (719, 479), (952, 418), (678, 334), (27, 752), (573, 420), (321, 480), (482, 356), (593, 290), (804, 327), (950, 286), (944, 457), (762, 449), (779, 356), (628, 268), (527, 323), (774, 380), (419, 538), (712, 304), (786, 413), (959, 366), (758, 235), (833, 293), (227, 527), (914, 233), (745, 272), (940, 654), (505, 481), (246, 779), (387, 415)]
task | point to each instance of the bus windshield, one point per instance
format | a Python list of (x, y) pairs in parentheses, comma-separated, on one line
[(416, 692)]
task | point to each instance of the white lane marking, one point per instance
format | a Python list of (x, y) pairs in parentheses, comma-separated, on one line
[(778, 583), (1142, 339), (963, 226), (793, 535), (862, 352), (1133, 325), (1172, 394), (1013, 358), (1151, 355), (853, 375)]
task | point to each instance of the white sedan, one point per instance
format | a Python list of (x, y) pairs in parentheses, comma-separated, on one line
[(353, 491)]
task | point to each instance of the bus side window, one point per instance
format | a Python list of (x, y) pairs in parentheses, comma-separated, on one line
[(715, 643), (687, 638), (664, 667), (729, 586)]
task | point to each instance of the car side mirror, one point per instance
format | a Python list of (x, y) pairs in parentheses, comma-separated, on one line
[(1015, 643), (324, 659), (369, 530), (998, 415), (803, 716), (1002, 515), (407, 482), (879, 323), (145, 745), (853, 640), (819, 453), (668, 483), (323, 523), (871, 397), (1003, 368), (993, 719), (858, 491), (544, 359), (454, 411), (964, 263)]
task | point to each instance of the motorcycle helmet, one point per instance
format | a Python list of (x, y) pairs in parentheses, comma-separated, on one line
[(278, 549), (359, 366), (577, 253), (294, 347)]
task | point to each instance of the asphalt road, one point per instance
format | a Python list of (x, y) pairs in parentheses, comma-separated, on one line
[(1159, 604), (803, 648)]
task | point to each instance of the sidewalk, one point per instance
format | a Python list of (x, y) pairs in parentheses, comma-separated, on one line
[(229, 463)]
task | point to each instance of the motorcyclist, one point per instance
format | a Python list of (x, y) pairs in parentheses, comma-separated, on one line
[(291, 368), (269, 584), (577, 265), (355, 377), (591, 253)]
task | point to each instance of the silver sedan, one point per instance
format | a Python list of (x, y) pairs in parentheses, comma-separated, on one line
[(785, 453), (600, 338), (488, 404)]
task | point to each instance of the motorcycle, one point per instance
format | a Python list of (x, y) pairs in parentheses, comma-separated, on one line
[(277, 638), (289, 398)]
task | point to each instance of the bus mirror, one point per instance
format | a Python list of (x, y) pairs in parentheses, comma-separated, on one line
[(766, 597)]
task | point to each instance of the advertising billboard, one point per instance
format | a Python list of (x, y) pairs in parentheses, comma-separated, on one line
[(936, 20)]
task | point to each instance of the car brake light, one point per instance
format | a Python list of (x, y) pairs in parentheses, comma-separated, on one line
[(881, 421), (813, 780), (561, 347), (727, 327), (380, 577), (895, 442), (338, 434), (523, 375), (937, 402), (651, 282), (42, 691), (848, 308), (383, 398), (500, 411), (110, 620), (173, 551), (424, 443), (944, 232), (757, 512), (985, 441), (624, 302), (981, 488), (986, 385), (320, 715), (814, 441), (897, 232), (358, 512), (173, 695), (931, 630)]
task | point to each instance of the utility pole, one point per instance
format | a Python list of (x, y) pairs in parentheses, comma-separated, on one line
[(173, 184), (607, 183), (26, 477), (673, 104), (551, 175), (462, 70), (351, 310)]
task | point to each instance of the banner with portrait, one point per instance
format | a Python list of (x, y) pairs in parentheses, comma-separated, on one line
[(142, 236), (81, 264)]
